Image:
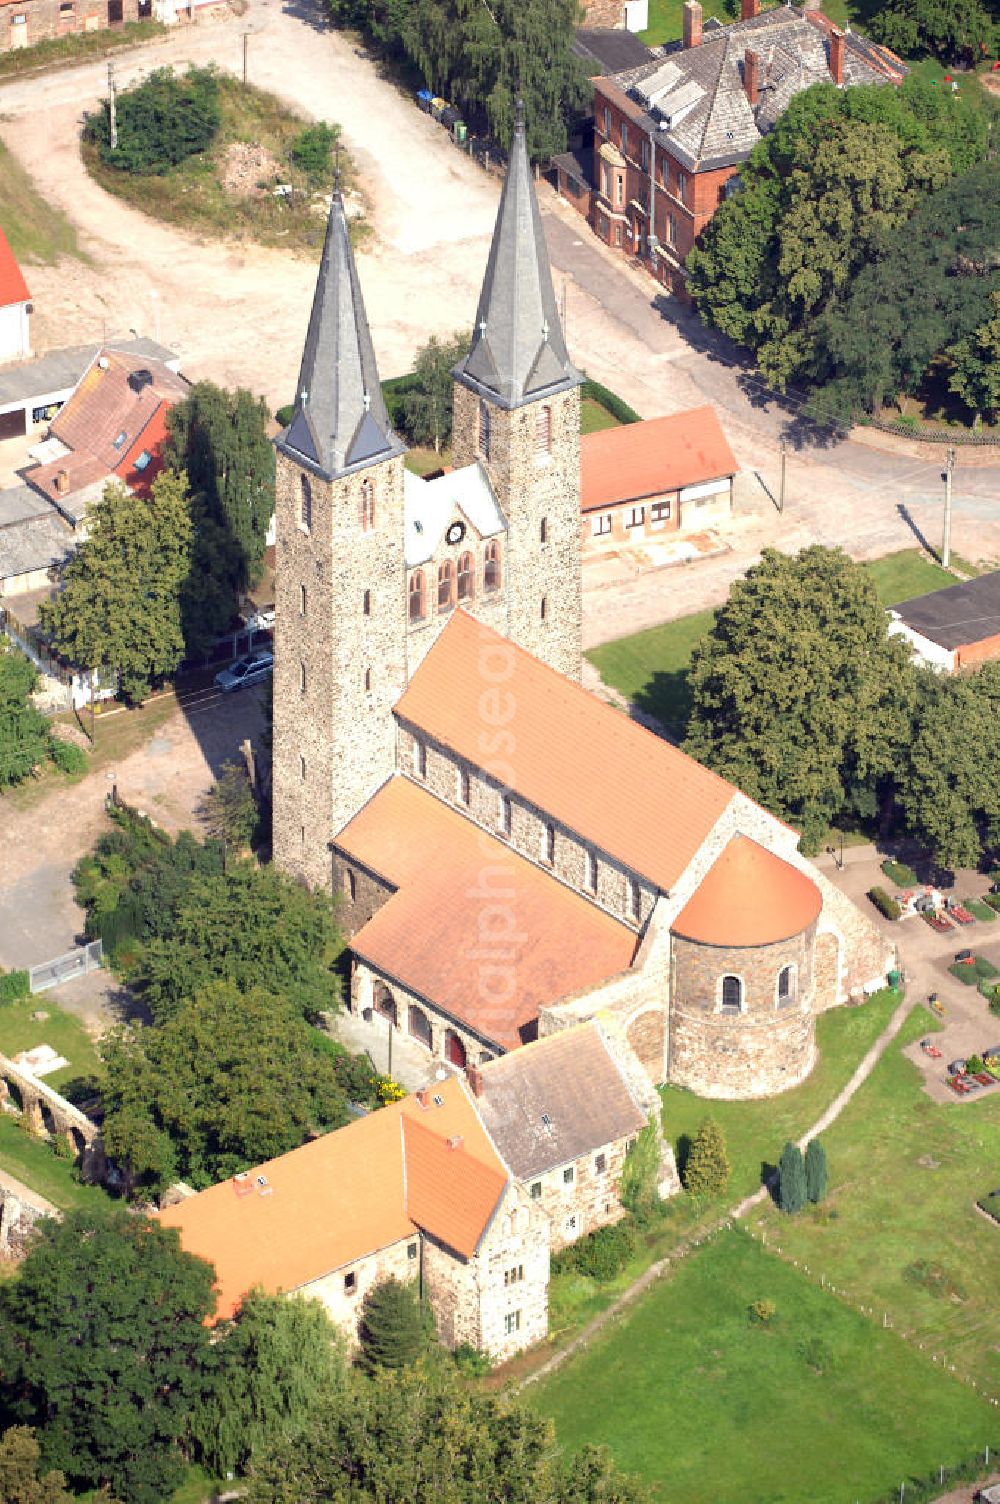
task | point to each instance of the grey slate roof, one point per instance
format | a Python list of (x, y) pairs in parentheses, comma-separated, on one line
[(518, 352), (611, 49), (34, 543), (695, 102), (340, 423), (961, 614), (556, 1100), (60, 370)]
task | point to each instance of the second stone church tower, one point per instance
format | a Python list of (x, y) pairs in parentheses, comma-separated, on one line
[(371, 560)]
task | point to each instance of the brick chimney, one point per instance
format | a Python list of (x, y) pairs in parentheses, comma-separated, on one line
[(62, 482), (474, 1076), (692, 23), (751, 76), (837, 57), (423, 1098), (455, 1142), (749, 9)]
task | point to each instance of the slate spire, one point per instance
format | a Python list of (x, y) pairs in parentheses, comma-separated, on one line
[(518, 353), (340, 421)]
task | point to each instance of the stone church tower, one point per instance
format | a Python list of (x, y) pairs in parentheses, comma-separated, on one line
[(340, 577), (517, 410)]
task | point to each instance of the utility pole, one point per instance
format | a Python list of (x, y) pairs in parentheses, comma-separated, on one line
[(946, 545), (246, 38), (781, 493), (112, 109)]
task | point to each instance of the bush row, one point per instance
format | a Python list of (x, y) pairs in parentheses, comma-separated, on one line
[(601, 1255), (14, 985), (884, 902), (609, 399)]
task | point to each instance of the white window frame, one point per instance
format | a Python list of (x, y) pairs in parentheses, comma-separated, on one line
[(793, 986), (602, 526), (729, 1012)]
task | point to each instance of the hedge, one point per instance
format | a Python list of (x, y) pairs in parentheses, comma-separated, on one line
[(990, 1205), (885, 903), (900, 874), (964, 973), (601, 1255), (14, 985)]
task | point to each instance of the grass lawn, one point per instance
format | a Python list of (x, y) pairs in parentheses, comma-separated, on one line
[(424, 461), (62, 1031), (899, 577), (756, 1132), (900, 1230), (819, 1404), (65, 52), (31, 1160), (191, 195), (979, 910), (593, 416), (37, 231), (666, 17)]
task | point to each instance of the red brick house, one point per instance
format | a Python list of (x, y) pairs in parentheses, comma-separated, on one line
[(24, 22), (643, 480), (670, 134)]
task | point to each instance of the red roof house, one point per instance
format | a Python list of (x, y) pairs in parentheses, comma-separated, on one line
[(14, 305)]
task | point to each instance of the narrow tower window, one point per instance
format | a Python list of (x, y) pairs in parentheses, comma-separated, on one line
[(732, 995), (368, 681), (305, 502), (302, 677), (484, 430), (634, 900), (549, 845), (302, 768), (367, 604), (302, 600), (544, 608), (506, 814), (592, 871), (446, 585), (464, 785), (786, 985), (491, 568), (420, 759), (417, 595), (466, 577), (543, 530), (367, 506), (543, 431)]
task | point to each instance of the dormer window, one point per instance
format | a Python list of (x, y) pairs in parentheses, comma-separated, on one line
[(119, 439), (142, 460)]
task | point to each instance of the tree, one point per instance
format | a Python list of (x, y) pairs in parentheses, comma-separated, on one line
[(219, 438), (953, 30), (421, 1433), (118, 608), (161, 121), (975, 375), (707, 1170), (791, 1179), (103, 1347), (19, 1478), (277, 1364), (799, 694), (396, 1328), (228, 1080), (230, 809), (947, 789), (240, 926), (311, 150), (24, 734), (815, 1171), (427, 407)]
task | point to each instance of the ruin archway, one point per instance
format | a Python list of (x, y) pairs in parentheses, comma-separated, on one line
[(419, 1026), (454, 1049)]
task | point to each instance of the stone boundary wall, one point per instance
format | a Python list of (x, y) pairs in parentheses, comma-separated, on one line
[(20, 1213), (47, 1112)]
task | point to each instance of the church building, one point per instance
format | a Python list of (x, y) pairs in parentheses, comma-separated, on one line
[(512, 855)]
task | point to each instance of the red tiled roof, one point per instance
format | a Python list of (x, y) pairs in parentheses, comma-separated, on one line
[(628, 792), (749, 897), (479, 931), (13, 288), (148, 441), (105, 407), (331, 1202), (645, 459)]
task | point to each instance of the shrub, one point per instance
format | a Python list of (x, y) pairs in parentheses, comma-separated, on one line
[(900, 874), (973, 1064), (885, 903), (396, 1327), (472, 1361), (965, 973), (638, 1186), (601, 1255), (285, 414), (13, 986), (815, 1168), (707, 1170), (761, 1312), (995, 1002), (161, 122), (311, 149), (68, 757), (993, 899), (791, 1179)]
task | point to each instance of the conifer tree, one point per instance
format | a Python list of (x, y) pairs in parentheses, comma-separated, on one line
[(707, 1170), (395, 1326), (791, 1179), (815, 1170)]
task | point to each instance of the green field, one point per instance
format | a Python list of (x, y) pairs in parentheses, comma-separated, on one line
[(66, 1035), (899, 1229), (819, 1404), (651, 668), (38, 232), (33, 1161)]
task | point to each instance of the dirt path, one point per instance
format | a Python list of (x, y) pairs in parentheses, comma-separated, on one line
[(666, 1265)]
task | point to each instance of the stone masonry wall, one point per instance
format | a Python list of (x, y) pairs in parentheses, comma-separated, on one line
[(585, 1201), (398, 1261), (477, 1047), (45, 19), (528, 828), (544, 585), (766, 1048), (370, 893), (334, 735)]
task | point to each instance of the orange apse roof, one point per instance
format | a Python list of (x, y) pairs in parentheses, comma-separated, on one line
[(13, 288), (346, 1194), (645, 459), (473, 928), (630, 793), (749, 897)]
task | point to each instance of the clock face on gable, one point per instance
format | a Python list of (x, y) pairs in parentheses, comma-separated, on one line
[(455, 533)]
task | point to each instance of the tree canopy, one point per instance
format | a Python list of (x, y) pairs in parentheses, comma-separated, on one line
[(160, 121), (231, 1078), (103, 1349), (396, 1327), (952, 30), (119, 603), (20, 1480), (428, 403), (24, 733), (799, 694), (826, 194)]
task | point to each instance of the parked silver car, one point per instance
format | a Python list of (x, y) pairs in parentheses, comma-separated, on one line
[(250, 670)]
